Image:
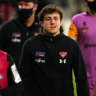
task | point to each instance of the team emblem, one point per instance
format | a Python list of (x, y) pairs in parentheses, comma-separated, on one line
[(84, 29), (63, 54)]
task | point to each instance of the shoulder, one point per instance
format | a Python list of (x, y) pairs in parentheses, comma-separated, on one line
[(69, 41), (3, 55), (7, 25), (78, 18), (2, 52), (31, 42), (79, 15), (34, 39)]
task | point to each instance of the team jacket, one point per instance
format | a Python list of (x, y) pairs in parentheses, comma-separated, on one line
[(9, 76), (83, 27), (3, 70), (13, 34), (46, 67)]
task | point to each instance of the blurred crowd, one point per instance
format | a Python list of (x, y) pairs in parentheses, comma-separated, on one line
[(8, 8)]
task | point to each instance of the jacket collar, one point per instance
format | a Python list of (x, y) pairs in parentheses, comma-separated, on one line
[(51, 38)]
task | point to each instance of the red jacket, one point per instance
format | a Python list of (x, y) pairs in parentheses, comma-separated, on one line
[(3, 70)]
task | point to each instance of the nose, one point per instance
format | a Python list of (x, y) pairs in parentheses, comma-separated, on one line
[(52, 21)]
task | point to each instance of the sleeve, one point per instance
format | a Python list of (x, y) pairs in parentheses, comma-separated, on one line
[(73, 30), (2, 37), (15, 85), (80, 73), (26, 69)]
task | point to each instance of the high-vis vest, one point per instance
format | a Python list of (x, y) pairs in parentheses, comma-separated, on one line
[(3, 70)]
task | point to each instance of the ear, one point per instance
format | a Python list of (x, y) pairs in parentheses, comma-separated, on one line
[(61, 22), (41, 23), (35, 7)]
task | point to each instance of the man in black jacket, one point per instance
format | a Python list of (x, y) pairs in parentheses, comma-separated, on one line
[(14, 33), (10, 80), (48, 59)]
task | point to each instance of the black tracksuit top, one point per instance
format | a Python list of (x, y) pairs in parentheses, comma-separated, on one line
[(46, 67), (13, 34)]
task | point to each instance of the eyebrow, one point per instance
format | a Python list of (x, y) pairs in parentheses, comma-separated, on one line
[(53, 17)]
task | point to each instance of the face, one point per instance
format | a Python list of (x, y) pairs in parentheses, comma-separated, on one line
[(92, 5), (25, 5), (51, 24)]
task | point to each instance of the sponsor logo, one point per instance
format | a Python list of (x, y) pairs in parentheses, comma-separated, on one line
[(1, 76), (84, 29), (63, 54), (16, 35), (39, 60), (15, 40), (40, 54), (62, 61)]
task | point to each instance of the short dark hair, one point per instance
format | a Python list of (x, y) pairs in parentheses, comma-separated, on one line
[(34, 1), (48, 10)]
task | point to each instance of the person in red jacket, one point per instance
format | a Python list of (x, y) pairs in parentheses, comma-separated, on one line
[(10, 80)]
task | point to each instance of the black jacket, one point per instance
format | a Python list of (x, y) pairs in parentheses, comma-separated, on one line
[(14, 80), (46, 67), (13, 34)]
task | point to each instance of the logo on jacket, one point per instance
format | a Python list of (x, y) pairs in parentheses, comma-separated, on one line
[(39, 60), (16, 37), (40, 54), (62, 61), (63, 54), (84, 29), (1, 76)]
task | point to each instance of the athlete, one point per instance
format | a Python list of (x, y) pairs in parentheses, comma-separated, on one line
[(83, 30), (10, 80), (48, 59)]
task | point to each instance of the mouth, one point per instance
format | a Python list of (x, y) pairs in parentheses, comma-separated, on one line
[(53, 27)]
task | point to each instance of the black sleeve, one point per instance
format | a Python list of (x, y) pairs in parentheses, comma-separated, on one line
[(26, 69), (15, 85), (80, 73)]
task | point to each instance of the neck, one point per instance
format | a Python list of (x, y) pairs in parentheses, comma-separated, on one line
[(91, 13), (51, 34), (30, 21)]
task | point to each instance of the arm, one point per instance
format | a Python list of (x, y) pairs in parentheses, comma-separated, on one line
[(26, 69), (15, 85), (80, 73), (73, 31)]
